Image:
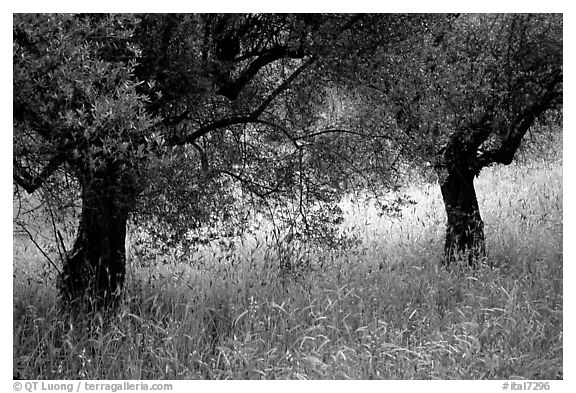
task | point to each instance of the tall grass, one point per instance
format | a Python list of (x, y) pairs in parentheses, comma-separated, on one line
[(383, 309)]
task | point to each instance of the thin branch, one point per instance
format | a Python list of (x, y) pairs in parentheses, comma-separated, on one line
[(38, 246), (504, 154), (280, 88), (235, 120), (233, 89), (350, 23), (61, 247), (341, 131), (203, 158), (176, 140), (31, 183), (174, 120), (270, 190)]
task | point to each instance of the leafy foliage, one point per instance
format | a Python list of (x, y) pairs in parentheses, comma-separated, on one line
[(70, 102), (272, 131), (482, 79)]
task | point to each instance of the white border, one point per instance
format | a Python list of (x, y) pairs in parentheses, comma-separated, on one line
[(305, 6)]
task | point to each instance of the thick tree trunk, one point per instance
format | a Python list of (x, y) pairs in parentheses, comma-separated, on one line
[(465, 229), (93, 273)]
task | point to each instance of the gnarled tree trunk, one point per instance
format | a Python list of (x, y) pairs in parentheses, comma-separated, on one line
[(464, 228), (93, 272)]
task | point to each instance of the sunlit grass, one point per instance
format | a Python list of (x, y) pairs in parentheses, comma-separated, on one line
[(384, 309)]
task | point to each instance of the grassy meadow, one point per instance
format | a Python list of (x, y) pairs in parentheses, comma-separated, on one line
[(384, 309)]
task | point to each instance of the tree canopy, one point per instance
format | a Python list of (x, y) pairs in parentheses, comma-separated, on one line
[(472, 92)]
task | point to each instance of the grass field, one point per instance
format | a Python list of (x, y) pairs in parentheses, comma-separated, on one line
[(383, 309)]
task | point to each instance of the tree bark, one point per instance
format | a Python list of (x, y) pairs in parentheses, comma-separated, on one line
[(465, 228), (93, 272)]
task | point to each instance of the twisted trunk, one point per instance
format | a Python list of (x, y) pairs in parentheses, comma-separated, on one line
[(94, 271), (464, 227)]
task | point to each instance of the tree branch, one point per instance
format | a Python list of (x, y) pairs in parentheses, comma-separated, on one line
[(31, 183), (174, 120), (251, 184), (176, 140), (231, 90), (284, 85), (235, 120), (203, 158), (341, 131), (504, 154), (355, 18)]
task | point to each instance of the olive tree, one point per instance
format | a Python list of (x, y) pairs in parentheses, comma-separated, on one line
[(470, 91), (171, 119)]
